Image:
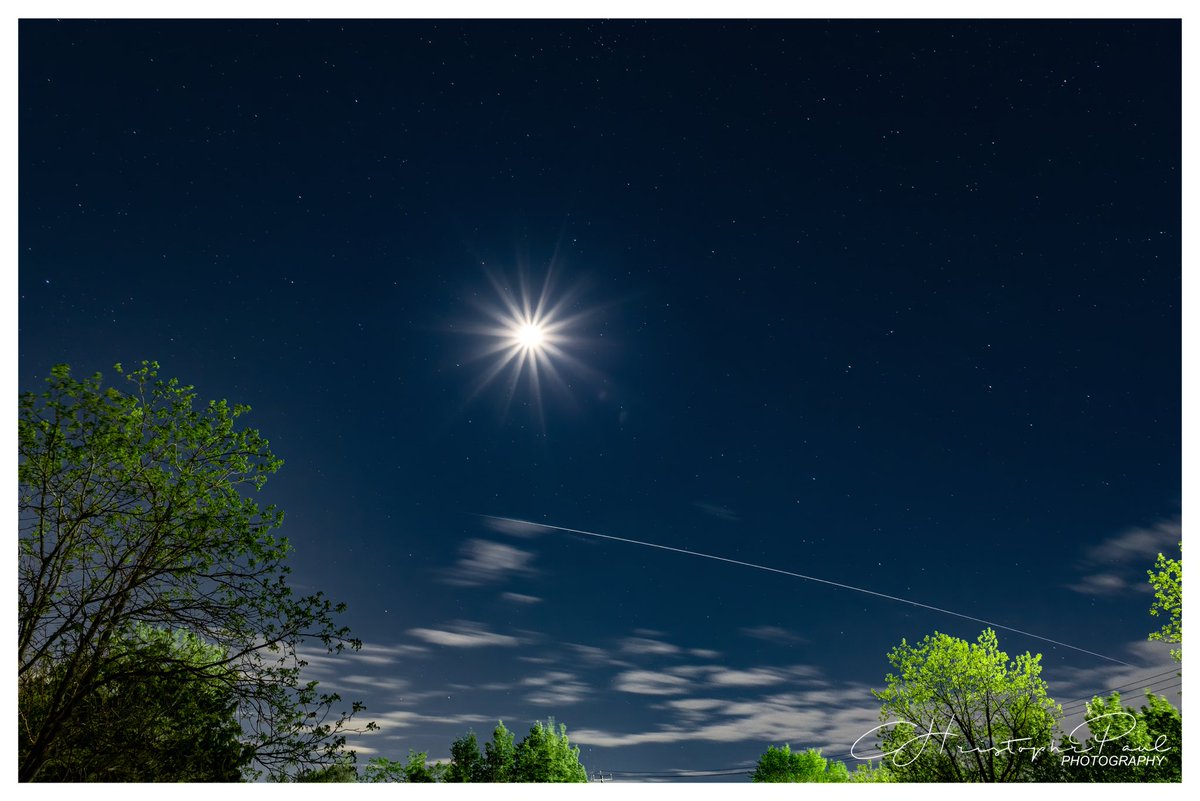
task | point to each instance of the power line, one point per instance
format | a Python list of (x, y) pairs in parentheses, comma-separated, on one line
[(1145, 682), (1141, 684), (1080, 706)]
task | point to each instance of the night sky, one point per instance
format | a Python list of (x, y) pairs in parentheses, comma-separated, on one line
[(891, 304)]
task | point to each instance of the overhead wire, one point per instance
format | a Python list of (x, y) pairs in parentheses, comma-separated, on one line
[(700, 773)]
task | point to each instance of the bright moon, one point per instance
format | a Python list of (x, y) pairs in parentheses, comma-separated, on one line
[(530, 336)]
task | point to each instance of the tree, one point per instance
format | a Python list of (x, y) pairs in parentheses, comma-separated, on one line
[(871, 773), (466, 761), (417, 770), (962, 712), (1168, 600), (1146, 744), (784, 765), (144, 722), (546, 755), (340, 772), (135, 508), (500, 756)]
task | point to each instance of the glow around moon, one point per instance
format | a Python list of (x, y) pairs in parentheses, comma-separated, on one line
[(528, 341)]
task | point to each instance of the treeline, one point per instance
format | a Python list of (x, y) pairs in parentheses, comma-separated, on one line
[(159, 639), (955, 711), (545, 755)]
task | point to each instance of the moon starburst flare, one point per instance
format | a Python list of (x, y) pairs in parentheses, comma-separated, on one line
[(529, 334)]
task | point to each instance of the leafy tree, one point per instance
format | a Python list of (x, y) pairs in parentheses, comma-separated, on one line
[(546, 755), (1168, 600), (379, 770), (167, 714), (340, 772), (956, 711), (1155, 732), (416, 771), (784, 765), (871, 773), (134, 507), (466, 761), (500, 756)]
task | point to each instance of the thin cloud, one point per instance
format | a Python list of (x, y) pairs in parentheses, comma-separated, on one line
[(1101, 584), (818, 717), (704, 653), (1153, 669), (755, 677), (331, 668), (517, 528), (1138, 544), (466, 634), (649, 682), (645, 645), (556, 688), (487, 562), (774, 634), (593, 656), (719, 512), (691, 678), (1119, 564), (521, 598)]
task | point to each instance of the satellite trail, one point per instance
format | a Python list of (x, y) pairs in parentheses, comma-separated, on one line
[(809, 578)]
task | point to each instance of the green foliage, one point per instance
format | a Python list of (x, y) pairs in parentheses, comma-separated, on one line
[(782, 765), (466, 761), (870, 773), (340, 772), (956, 711), (381, 769), (135, 507), (546, 755), (417, 770), (1155, 732), (163, 711), (1168, 600), (500, 757)]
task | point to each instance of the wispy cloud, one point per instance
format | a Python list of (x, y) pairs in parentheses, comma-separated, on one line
[(774, 634), (521, 598), (593, 656), (517, 528), (645, 645), (692, 678), (1152, 668), (330, 668), (1119, 564), (1138, 543), (649, 682), (556, 688), (718, 511), (466, 634), (819, 716), (487, 562)]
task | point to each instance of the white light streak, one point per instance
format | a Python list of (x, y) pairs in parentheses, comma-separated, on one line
[(813, 579)]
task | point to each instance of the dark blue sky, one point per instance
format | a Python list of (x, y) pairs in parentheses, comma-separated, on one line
[(894, 304)]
